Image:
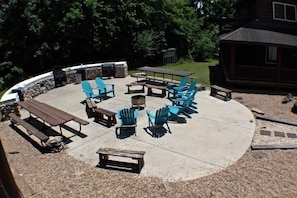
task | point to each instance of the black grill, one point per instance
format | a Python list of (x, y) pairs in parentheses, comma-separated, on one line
[(59, 76), (108, 70)]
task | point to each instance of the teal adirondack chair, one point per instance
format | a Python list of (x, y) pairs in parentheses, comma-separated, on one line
[(175, 110), (89, 90), (174, 90), (128, 118), (104, 88), (186, 94), (160, 118), (189, 94), (184, 106)]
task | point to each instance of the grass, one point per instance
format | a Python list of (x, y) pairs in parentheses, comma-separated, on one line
[(2, 92), (200, 70)]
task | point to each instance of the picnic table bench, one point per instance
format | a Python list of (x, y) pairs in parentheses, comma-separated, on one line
[(31, 130), (137, 83), (50, 114), (220, 92), (99, 114), (104, 160), (160, 87)]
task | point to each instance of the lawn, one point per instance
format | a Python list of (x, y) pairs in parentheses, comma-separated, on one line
[(200, 70)]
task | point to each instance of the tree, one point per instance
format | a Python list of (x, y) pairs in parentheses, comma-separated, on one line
[(38, 35)]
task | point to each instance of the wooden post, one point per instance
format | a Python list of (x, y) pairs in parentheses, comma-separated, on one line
[(279, 64), (232, 61)]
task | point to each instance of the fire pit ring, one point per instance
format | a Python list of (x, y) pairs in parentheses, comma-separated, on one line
[(138, 100)]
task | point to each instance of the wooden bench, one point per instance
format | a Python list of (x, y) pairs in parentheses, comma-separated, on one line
[(150, 87), (136, 84), (31, 130), (104, 160), (220, 92), (99, 114), (139, 75)]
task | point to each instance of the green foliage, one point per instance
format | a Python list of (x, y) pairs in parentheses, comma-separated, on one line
[(148, 43), (12, 74), (215, 9), (38, 35)]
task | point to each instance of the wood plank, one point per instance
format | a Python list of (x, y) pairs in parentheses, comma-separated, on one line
[(105, 112), (29, 127), (80, 121), (274, 146), (123, 153), (40, 114), (165, 71), (90, 103), (54, 112), (262, 117)]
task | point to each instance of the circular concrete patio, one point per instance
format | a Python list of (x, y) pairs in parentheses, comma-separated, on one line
[(214, 138)]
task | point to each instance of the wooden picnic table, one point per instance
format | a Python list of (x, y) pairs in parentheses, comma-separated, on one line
[(156, 70), (49, 114)]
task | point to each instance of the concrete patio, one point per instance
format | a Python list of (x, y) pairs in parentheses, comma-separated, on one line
[(210, 141)]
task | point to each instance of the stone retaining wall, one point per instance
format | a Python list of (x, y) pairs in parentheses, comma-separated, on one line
[(7, 108), (33, 88)]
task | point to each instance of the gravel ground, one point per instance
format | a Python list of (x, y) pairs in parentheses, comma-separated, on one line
[(259, 173)]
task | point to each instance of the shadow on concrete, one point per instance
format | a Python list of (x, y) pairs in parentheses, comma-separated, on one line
[(125, 132), (156, 131)]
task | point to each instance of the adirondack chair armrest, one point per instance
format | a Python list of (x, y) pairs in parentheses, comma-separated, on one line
[(172, 109), (136, 112), (149, 113), (119, 114)]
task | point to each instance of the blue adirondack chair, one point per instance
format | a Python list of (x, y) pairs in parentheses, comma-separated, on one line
[(174, 90), (103, 88), (160, 118), (186, 105), (175, 110), (128, 118), (185, 94), (189, 94), (89, 90)]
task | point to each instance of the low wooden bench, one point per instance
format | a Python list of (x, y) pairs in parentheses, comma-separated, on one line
[(99, 114), (104, 160), (31, 130), (150, 87), (136, 84), (220, 92), (111, 116), (139, 75)]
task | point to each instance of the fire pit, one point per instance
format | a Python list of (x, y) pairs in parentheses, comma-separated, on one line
[(138, 100)]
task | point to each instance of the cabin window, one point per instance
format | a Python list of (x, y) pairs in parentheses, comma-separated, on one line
[(284, 12), (271, 55)]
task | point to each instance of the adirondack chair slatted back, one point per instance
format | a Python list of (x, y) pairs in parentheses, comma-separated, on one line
[(127, 116), (103, 88), (193, 94), (191, 87), (101, 85), (162, 116), (182, 84), (175, 90), (87, 89), (184, 81)]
